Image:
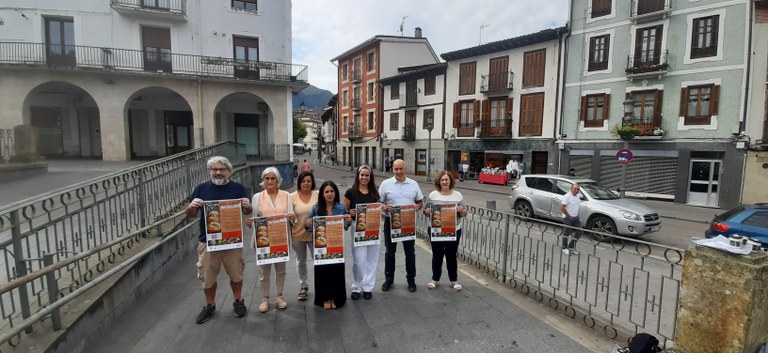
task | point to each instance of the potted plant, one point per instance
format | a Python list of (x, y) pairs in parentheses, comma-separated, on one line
[(655, 132), (625, 132)]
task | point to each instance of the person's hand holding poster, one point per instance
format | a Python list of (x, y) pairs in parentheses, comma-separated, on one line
[(403, 222), (367, 224)]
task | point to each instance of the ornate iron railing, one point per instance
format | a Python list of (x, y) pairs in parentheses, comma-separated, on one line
[(137, 61), (622, 286)]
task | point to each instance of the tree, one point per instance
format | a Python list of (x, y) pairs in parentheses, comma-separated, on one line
[(299, 130)]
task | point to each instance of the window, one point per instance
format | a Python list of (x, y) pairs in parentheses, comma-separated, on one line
[(533, 68), (531, 114), (244, 5), (344, 98), (394, 91), (465, 117), (345, 72), (357, 69), (60, 40), (467, 78), (757, 219), (246, 52), (156, 43), (156, 4), (371, 91), (498, 74), (428, 114), (648, 46), (598, 52), (344, 125), (496, 117), (371, 120), (601, 8), (699, 103), (371, 62), (356, 102), (647, 112), (704, 37), (595, 109), (394, 121), (429, 85)]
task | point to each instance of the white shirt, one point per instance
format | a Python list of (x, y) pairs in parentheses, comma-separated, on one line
[(398, 193), (571, 203)]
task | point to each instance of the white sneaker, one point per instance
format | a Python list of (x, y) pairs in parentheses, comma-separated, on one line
[(574, 252), (566, 251)]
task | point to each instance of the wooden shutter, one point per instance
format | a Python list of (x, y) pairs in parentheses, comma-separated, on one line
[(714, 98), (456, 115), (659, 96), (583, 110), (607, 107), (538, 114), (486, 113), (476, 114), (684, 102), (509, 108)]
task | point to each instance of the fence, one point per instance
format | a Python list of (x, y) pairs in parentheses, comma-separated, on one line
[(54, 243), (621, 286)]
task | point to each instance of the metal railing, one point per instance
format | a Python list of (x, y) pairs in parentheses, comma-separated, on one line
[(132, 60), (642, 8), (7, 149), (640, 64), (622, 286), (171, 6), (496, 127), (409, 133), (409, 99), (274, 152), (54, 243), (497, 82)]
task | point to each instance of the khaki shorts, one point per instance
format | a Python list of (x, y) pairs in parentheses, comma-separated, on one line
[(209, 264)]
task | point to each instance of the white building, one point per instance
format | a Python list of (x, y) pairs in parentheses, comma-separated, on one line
[(132, 79)]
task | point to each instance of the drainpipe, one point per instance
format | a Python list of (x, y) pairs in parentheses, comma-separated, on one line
[(200, 112)]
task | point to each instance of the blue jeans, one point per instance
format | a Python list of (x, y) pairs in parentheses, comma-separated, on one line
[(567, 232)]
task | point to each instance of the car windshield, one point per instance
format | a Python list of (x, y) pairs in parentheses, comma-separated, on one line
[(598, 192)]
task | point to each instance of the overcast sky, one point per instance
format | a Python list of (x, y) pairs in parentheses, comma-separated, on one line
[(323, 29)]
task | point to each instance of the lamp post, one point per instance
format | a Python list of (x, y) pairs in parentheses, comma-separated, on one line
[(629, 108), (430, 125)]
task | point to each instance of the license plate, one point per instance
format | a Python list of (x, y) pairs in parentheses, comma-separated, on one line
[(655, 229)]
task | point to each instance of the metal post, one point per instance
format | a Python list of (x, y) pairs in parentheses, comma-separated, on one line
[(623, 186), (351, 153), (21, 266), (429, 155), (504, 248), (53, 291), (143, 209)]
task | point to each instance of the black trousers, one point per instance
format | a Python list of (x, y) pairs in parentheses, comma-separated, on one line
[(447, 249), (389, 255)]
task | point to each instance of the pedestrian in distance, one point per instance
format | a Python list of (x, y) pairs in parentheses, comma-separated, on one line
[(330, 285), (365, 258), (445, 194), (570, 208), (305, 166), (399, 190), (572, 172), (301, 240), (520, 169), (272, 202), (220, 187)]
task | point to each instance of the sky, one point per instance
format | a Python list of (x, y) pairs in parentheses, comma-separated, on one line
[(323, 29)]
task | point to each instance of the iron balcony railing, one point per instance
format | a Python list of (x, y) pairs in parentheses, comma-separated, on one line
[(137, 61), (647, 122), (173, 7), (357, 75), (409, 99), (357, 103), (409, 133), (494, 128), (646, 10), (645, 64), (7, 149), (465, 130), (497, 82)]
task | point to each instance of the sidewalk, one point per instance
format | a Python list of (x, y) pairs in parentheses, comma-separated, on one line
[(665, 209)]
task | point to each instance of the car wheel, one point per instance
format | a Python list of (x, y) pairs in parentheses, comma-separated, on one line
[(602, 225), (523, 209)]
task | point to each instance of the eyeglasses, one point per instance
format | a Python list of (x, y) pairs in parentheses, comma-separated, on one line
[(219, 169)]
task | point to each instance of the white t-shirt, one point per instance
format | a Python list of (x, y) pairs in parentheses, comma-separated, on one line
[(456, 197), (571, 203)]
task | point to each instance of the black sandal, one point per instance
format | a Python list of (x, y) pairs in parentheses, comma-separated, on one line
[(303, 293)]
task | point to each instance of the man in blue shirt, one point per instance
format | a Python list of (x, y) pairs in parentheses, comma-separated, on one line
[(209, 263), (399, 190)]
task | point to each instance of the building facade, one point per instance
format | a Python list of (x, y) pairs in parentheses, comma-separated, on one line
[(134, 79), (662, 70), (413, 112), (501, 103), (360, 106)]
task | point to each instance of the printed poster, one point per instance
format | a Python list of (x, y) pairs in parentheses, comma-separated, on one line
[(442, 222), (271, 237), (367, 224), (223, 225), (403, 222), (328, 236)]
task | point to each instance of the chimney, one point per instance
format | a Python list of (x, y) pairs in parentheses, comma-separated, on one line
[(418, 32)]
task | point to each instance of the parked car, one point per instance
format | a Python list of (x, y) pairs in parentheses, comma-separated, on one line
[(540, 195), (745, 220)]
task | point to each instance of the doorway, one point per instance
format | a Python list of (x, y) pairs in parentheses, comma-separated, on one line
[(178, 131), (247, 132), (48, 123), (704, 182), (539, 162), (421, 162)]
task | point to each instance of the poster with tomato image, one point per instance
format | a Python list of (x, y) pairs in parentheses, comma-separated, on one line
[(270, 235), (328, 239), (442, 222), (223, 225), (367, 224), (403, 222)]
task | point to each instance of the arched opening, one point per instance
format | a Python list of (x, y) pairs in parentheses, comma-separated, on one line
[(244, 118), (160, 123)]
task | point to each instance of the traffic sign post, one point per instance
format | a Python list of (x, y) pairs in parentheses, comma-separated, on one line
[(624, 156)]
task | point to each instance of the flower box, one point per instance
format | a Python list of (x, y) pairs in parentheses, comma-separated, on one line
[(648, 137)]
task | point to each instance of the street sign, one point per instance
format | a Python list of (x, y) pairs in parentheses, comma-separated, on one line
[(624, 156)]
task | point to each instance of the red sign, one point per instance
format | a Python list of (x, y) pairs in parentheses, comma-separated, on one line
[(624, 156)]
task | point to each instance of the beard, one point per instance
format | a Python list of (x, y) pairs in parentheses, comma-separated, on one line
[(219, 181)]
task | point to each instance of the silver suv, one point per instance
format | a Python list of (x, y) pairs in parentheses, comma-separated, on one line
[(540, 195)]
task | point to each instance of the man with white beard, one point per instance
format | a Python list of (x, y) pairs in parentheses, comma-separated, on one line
[(209, 263)]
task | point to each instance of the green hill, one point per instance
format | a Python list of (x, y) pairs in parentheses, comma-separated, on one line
[(315, 98)]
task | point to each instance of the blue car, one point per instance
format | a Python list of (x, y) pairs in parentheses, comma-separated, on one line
[(746, 220)]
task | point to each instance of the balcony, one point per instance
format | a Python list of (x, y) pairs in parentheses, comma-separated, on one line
[(649, 10), (175, 10), (497, 83), (639, 67), (357, 103), (644, 123), (410, 99), (409, 133), (465, 130), (357, 75), (137, 61), (496, 128)]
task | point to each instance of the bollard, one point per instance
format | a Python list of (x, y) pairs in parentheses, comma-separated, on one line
[(491, 205)]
